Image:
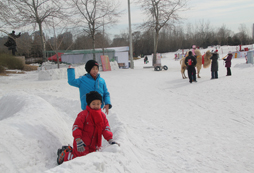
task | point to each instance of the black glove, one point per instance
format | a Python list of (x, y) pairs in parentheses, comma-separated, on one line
[(112, 142)]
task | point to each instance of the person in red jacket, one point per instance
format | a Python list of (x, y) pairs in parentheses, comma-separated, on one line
[(89, 127), (228, 63)]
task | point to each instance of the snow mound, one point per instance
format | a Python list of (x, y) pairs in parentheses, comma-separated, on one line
[(28, 133), (61, 73), (243, 65), (53, 73), (111, 158)]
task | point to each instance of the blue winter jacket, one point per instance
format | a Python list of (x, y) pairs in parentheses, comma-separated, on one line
[(86, 84)]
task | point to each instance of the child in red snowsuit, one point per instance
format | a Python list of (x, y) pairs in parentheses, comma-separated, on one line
[(88, 129)]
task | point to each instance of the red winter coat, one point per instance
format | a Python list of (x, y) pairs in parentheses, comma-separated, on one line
[(85, 129), (228, 60)]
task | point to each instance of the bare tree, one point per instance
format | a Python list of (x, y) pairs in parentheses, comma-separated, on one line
[(94, 14), (222, 35), (147, 45), (7, 17), (62, 37), (24, 44), (36, 12), (243, 33), (160, 13), (121, 39)]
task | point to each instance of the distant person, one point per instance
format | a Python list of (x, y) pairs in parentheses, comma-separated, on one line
[(90, 82), (191, 62), (175, 57), (193, 50), (228, 63), (214, 65), (146, 60), (89, 127)]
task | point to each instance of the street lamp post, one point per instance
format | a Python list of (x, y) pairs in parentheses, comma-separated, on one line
[(130, 37)]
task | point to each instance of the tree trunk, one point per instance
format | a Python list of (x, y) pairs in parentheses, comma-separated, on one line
[(42, 43), (155, 47), (94, 47), (57, 57)]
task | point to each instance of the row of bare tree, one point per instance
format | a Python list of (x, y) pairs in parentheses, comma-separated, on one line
[(201, 35), (57, 16), (143, 42)]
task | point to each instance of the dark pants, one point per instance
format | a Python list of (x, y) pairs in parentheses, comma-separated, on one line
[(13, 49), (214, 74), (228, 71), (192, 73)]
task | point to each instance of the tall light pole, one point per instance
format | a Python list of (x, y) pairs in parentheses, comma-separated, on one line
[(130, 36), (103, 38)]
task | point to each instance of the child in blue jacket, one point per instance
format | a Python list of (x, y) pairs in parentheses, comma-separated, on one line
[(90, 82)]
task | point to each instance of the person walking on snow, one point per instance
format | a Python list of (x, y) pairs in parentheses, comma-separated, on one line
[(89, 127), (145, 60), (90, 82), (193, 50), (191, 62), (228, 63), (214, 65)]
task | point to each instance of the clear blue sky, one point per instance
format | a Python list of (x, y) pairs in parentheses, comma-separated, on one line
[(231, 13)]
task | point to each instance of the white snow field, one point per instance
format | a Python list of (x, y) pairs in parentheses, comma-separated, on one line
[(163, 123)]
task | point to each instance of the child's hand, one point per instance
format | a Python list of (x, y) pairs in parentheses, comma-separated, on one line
[(112, 142), (80, 145), (107, 108)]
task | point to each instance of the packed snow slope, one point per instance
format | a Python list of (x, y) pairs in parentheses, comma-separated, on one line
[(163, 123)]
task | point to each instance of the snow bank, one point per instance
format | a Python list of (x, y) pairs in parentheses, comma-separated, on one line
[(59, 73), (28, 133), (31, 131), (111, 158), (51, 72), (243, 65), (163, 123)]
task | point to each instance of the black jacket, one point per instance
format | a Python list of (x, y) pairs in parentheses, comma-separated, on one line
[(193, 60), (214, 65)]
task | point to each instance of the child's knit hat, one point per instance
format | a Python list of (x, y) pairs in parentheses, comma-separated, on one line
[(90, 64), (93, 95)]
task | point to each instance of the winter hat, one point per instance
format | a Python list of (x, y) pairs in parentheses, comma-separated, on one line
[(194, 46), (93, 95), (190, 53), (229, 52), (90, 64), (216, 50)]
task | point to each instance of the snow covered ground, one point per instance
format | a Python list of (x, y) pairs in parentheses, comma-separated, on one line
[(164, 123)]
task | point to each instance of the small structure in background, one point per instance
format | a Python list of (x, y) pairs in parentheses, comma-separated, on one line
[(118, 54), (250, 57), (121, 56)]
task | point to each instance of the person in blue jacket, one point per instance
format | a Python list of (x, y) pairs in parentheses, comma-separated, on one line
[(90, 82)]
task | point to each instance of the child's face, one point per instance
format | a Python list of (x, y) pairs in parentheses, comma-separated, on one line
[(95, 104), (94, 71)]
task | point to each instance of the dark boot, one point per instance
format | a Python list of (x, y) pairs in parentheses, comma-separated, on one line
[(61, 153)]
